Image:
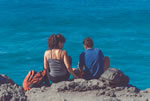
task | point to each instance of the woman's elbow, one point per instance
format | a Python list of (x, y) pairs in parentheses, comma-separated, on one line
[(69, 69)]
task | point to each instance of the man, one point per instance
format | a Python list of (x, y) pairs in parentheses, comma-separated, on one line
[(92, 62)]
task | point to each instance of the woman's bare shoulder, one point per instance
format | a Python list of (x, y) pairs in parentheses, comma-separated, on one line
[(46, 52), (64, 52)]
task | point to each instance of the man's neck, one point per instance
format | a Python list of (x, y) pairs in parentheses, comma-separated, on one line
[(88, 48)]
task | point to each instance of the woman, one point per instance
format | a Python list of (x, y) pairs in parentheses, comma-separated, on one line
[(56, 60)]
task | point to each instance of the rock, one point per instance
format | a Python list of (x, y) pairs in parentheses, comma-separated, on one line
[(5, 79), (83, 90), (9, 92), (79, 85), (115, 77), (101, 92), (61, 86), (119, 88), (96, 84), (75, 90), (133, 90), (147, 90), (76, 85), (111, 99), (110, 93), (43, 88)]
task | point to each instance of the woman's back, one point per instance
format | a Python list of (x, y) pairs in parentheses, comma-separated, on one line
[(56, 63)]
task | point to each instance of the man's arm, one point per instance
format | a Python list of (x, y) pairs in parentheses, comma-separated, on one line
[(81, 64)]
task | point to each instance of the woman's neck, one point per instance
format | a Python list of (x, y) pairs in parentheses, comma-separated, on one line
[(57, 49)]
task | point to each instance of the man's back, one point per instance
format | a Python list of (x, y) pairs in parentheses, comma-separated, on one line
[(93, 60)]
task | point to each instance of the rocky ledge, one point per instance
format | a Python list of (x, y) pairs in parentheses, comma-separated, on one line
[(9, 91), (76, 90)]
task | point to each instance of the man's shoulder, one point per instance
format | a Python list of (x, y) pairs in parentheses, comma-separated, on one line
[(97, 49), (82, 53)]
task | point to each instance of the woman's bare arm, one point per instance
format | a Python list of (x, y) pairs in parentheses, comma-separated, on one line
[(66, 61), (45, 61)]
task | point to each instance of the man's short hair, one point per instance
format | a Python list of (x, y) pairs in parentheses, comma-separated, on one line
[(88, 42)]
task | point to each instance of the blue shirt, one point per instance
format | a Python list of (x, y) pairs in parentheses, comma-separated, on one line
[(93, 61)]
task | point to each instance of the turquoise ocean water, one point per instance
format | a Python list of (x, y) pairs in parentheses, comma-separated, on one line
[(120, 28)]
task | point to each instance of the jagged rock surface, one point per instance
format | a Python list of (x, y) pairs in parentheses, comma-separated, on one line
[(9, 91), (112, 86), (82, 90), (77, 90)]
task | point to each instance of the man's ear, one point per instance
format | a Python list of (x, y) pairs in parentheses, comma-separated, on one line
[(85, 46)]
